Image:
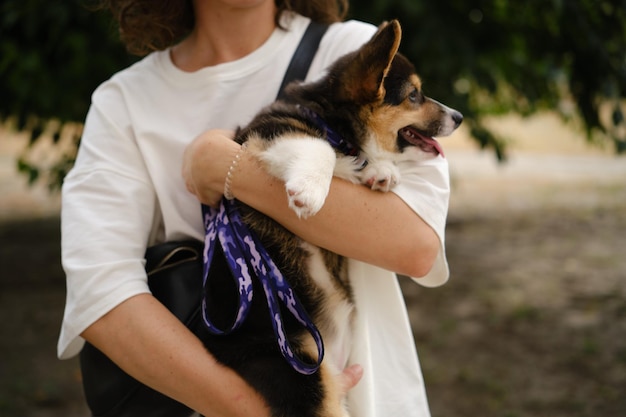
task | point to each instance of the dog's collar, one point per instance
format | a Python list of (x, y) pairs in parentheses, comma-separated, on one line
[(335, 139)]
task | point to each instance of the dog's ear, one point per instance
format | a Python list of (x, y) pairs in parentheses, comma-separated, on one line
[(365, 74)]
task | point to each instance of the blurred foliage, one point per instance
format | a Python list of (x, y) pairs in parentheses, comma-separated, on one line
[(483, 57), (52, 56)]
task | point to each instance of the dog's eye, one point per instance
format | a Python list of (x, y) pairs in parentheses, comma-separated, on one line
[(413, 96)]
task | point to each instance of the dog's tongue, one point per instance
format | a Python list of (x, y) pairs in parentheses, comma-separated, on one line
[(425, 143)]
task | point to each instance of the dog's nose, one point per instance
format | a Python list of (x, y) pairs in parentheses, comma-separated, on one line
[(457, 118)]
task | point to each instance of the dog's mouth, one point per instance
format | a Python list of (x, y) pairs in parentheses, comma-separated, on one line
[(425, 143)]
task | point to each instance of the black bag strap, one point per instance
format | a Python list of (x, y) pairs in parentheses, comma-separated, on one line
[(302, 58)]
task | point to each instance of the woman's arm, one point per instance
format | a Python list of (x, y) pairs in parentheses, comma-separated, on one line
[(374, 227), (150, 344)]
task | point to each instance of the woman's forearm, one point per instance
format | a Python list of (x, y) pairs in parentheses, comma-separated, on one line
[(374, 227), (150, 344), (371, 226)]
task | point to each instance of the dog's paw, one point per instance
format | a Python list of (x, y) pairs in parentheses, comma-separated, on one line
[(306, 165), (380, 175), (307, 195), (349, 168)]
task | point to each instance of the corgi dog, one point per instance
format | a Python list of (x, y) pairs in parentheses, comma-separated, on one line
[(372, 101)]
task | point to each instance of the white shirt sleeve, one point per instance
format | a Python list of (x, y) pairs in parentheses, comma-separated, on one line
[(107, 212), (425, 187)]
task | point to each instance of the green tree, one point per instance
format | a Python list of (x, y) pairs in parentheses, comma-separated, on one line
[(52, 56), (483, 57)]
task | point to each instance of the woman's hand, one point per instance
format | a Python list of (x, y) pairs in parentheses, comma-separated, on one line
[(206, 162), (349, 378)]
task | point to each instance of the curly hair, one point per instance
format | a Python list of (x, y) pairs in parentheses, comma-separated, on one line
[(152, 25)]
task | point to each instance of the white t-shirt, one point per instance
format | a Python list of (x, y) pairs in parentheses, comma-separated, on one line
[(126, 192)]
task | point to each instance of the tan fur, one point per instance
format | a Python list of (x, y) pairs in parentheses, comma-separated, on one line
[(366, 79), (333, 404), (416, 81), (390, 54), (385, 120)]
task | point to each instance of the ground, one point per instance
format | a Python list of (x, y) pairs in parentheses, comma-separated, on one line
[(531, 323)]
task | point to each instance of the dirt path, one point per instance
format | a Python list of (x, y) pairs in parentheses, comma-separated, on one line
[(532, 322)]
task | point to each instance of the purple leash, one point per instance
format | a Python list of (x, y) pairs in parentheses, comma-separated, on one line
[(240, 244)]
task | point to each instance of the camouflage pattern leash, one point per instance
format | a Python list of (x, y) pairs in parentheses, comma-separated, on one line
[(242, 248)]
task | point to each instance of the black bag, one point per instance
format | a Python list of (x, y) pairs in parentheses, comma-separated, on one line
[(175, 279)]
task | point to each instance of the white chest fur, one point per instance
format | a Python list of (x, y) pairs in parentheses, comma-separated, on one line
[(337, 312)]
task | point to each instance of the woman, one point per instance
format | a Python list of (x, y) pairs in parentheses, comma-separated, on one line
[(216, 63)]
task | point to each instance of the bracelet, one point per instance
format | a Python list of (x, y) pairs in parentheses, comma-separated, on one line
[(229, 176)]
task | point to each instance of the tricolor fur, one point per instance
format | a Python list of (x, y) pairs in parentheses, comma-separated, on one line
[(372, 98)]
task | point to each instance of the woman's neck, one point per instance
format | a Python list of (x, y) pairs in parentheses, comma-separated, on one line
[(224, 33)]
